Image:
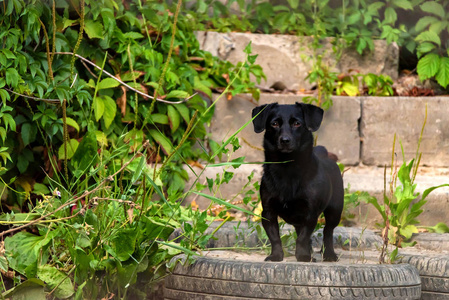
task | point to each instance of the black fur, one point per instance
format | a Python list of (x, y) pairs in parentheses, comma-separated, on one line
[(302, 182)]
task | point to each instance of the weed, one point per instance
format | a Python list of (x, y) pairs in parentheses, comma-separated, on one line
[(401, 204)]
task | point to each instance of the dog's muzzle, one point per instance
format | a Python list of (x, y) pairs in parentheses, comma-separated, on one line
[(285, 143)]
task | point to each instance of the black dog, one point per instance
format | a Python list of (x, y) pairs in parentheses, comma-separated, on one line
[(300, 181)]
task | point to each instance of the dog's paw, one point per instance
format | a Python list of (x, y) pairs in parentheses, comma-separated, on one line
[(330, 257), (274, 258), (305, 258)]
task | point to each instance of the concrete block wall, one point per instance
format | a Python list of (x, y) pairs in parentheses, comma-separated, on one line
[(339, 131), (382, 117), (359, 130)]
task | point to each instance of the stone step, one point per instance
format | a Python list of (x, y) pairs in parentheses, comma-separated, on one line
[(361, 178)]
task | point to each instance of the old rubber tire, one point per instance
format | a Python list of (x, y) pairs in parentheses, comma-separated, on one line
[(216, 278), (434, 272)]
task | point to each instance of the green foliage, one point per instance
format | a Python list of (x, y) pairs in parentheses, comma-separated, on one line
[(129, 41), (434, 60), (104, 226), (371, 84), (356, 23)]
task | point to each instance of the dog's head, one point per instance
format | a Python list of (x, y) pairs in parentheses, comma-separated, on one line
[(287, 127)]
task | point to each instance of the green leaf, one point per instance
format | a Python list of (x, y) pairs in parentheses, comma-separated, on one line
[(32, 288), (408, 231), (57, 280), (158, 118), (404, 4), (162, 140), (23, 250), (108, 83), (425, 47), (252, 58), (153, 228), (373, 8), (102, 139), (3, 133), (442, 76), (184, 112), (110, 110), (4, 95), (72, 123), (98, 107), (424, 22), (22, 164), (439, 228), (390, 15), (293, 3), (28, 133), (3, 263), (200, 85), (93, 29), (174, 118), (12, 77), (350, 89), (433, 7), (72, 145), (130, 76), (40, 189), (431, 189), (9, 122), (138, 171), (429, 36), (248, 49), (428, 66), (133, 35), (437, 27), (123, 243), (177, 94), (177, 247), (86, 153), (394, 255)]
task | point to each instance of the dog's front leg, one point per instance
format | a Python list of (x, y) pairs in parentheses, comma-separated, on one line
[(271, 226), (303, 242)]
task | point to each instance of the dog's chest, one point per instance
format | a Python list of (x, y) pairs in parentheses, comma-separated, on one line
[(286, 188)]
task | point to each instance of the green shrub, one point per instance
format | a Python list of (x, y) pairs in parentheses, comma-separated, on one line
[(356, 23), (92, 177)]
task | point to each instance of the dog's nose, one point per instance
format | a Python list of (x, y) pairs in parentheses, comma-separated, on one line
[(285, 140)]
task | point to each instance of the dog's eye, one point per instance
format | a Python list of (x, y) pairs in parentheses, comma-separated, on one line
[(275, 124), (296, 124)]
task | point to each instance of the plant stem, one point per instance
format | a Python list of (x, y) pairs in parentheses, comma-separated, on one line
[(76, 199)]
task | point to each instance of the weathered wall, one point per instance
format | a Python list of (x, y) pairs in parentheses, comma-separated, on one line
[(382, 117), (357, 129), (288, 58), (339, 131)]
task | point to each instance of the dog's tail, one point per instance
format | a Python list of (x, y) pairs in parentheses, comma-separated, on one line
[(322, 152)]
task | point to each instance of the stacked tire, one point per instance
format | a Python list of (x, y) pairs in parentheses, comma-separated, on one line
[(222, 279), (415, 277)]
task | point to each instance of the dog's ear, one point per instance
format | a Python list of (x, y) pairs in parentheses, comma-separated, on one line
[(313, 115), (260, 115)]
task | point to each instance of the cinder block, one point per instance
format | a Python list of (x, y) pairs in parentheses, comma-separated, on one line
[(339, 132), (288, 58), (382, 117)]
